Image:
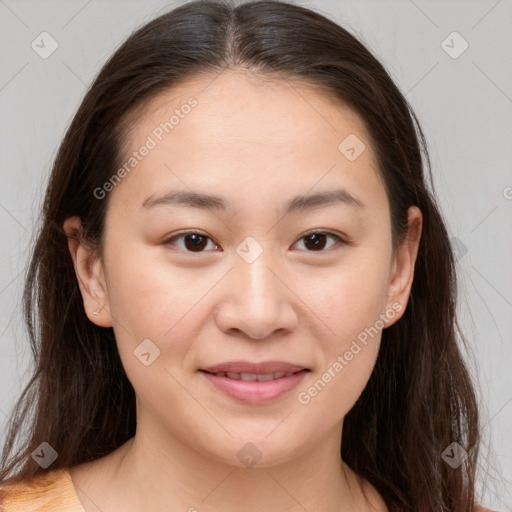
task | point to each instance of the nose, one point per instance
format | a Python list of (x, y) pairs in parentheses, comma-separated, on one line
[(257, 301)]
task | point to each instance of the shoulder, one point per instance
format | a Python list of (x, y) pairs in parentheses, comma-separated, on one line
[(50, 491)]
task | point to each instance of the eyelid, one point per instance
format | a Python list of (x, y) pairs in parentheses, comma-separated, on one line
[(168, 240), (324, 232), (341, 240)]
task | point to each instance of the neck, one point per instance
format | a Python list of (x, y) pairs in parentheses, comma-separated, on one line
[(156, 472)]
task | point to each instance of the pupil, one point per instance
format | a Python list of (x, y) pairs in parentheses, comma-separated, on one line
[(198, 241), (317, 244)]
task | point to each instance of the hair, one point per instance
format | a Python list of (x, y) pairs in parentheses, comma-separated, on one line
[(420, 397)]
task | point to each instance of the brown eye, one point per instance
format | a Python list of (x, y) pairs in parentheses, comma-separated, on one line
[(192, 241), (316, 241), (195, 242)]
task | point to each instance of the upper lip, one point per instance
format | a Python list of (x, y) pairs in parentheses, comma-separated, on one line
[(259, 368)]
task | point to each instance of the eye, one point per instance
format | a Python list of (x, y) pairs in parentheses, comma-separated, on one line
[(316, 240), (193, 241)]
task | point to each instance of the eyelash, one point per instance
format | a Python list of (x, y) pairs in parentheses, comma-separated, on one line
[(340, 241)]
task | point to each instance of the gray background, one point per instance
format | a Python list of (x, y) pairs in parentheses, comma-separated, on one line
[(463, 103)]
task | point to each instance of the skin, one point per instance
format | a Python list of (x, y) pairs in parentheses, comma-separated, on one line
[(256, 143)]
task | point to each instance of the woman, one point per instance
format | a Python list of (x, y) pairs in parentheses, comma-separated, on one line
[(243, 293)]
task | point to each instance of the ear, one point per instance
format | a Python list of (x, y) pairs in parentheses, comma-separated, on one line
[(402, 271), (89, 273)]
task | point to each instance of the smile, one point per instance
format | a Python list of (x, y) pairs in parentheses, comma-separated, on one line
[(255, 388), (251, 377)]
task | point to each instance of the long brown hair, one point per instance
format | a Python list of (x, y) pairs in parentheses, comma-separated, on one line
[(420, 397)]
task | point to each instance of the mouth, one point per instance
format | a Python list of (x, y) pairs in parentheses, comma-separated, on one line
[(251, 377), (255, 383)]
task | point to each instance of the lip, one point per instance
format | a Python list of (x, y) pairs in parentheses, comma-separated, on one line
[(255, 392), (248, 367)]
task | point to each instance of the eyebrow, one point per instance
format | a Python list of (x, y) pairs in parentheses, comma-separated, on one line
[(216, 203)]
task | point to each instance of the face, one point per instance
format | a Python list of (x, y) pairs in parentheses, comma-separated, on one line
[(205, 295)]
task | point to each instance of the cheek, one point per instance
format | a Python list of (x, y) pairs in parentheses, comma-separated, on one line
[(332, 392), (351, 306), (149, 301), (146, 293), (154, 321), (348, 299)]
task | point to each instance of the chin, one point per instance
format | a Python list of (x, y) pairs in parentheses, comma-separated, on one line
[(258, 451)]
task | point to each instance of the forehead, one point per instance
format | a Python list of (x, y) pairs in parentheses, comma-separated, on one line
[(259, 134), (231, 100)]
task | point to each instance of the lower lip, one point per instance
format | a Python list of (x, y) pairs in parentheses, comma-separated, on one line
[(255, 392)]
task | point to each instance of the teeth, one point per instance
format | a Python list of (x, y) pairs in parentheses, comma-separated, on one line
[(262, 377), (251, 377), (248, 377)]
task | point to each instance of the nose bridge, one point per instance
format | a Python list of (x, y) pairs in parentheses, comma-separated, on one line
[(257, 302), (257, 285)]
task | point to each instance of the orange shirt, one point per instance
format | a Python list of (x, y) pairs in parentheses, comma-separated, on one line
[(49, 492), (52, 491)]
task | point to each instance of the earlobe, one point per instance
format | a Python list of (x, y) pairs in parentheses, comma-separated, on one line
[(89, 273), (402, 271)]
